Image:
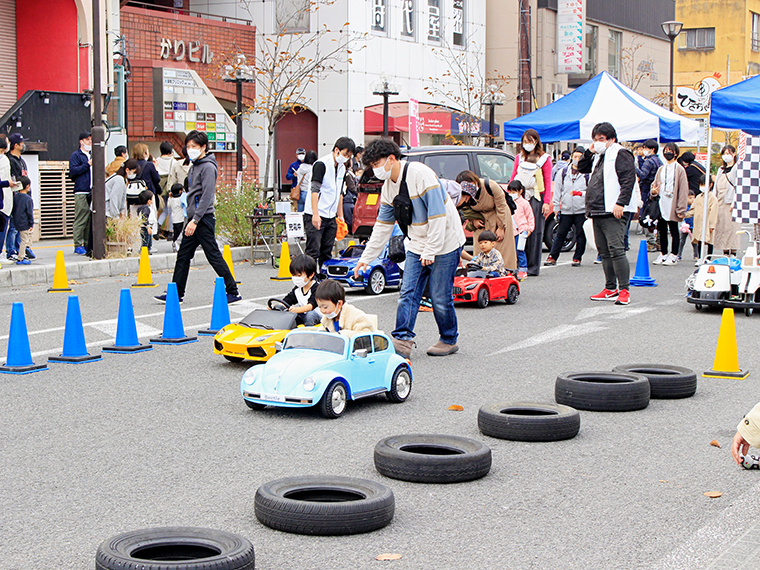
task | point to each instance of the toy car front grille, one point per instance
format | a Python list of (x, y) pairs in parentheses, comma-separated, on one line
[(457, 290), (287, 400), (218, 345), (338, 270), (257, 351)]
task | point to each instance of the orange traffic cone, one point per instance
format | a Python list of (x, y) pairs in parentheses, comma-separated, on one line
[(283, 272), (726, 364), (144, 274), (60, 280)]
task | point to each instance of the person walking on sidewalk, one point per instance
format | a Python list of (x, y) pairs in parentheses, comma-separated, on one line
[(80, 171), (610, 193), (413, 196), (201, 226)]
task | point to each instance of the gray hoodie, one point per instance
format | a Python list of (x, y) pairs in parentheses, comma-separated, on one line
[(201, 188)]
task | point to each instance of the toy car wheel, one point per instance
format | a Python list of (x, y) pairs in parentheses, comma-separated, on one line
[(235, 359), (602, 391), (277, 305), (512, 294), (748, 311), (401, 385), (432, 458), (698, 307), (324, 505), (333, 402), (666, 382), (254, 405), (376, 282), (524, 421), (179, 547), (483, 297)]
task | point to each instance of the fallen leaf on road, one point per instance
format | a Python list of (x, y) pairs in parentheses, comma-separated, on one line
[(715, 443), (713, 494), (388, 557), (456, 408), (664, 481)]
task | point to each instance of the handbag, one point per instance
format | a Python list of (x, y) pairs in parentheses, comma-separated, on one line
[(295, 192), (396, 249), (402, 205), (651, 214)]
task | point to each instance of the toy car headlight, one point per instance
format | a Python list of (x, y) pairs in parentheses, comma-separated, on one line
[(309, 383), (250, 375), (471, 286), (264, 337)]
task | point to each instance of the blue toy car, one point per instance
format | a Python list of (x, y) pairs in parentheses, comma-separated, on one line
[(316, 368)]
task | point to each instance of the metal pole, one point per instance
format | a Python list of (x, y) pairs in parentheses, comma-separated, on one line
[(703, 249), (491, 126), (385, 114), (239, 121), (672, 45), (98, 170)]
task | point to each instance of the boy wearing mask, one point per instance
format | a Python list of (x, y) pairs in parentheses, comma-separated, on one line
[(337, 315), (302, 299)]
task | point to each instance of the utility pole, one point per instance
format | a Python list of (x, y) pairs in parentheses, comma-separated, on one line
[(524, 83), (98, 170)]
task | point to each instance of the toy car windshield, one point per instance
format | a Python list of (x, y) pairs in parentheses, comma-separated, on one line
[(315, 341), (353, 251), (270, 320)]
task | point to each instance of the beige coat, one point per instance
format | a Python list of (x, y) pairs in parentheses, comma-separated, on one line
[(497, 216), (680, 191), (726, 237), (350, 320), (712, 217), (749, 427)]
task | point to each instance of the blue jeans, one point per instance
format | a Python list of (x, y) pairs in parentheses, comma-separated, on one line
[(12, 239), (302, 200), (440, 277), (522, 259)]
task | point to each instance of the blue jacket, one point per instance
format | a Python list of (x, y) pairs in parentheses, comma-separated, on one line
[(646, 170), (291, 175), (80, 172), (23, 211)]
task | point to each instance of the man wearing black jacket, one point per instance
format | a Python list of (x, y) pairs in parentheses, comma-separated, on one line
[(80, 171), (609, 195)]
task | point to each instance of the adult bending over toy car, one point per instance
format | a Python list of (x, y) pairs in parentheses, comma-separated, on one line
[(413, 196)]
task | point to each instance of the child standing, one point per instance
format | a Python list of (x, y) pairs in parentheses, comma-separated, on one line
[(524, 223), (489, 258), (23, 219), (145, 210), (302, 299), (177, 213), (337, 315)]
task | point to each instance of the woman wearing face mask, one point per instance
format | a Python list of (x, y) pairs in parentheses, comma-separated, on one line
[(672, 187), (116, 188), (726, 238), (541, 203)]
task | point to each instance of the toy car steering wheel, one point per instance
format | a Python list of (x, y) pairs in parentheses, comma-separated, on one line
[(277, 305), (473, 266)]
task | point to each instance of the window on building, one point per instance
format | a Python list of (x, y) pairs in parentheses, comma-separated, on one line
[(434, 21), (408, 22), (698, 38), (458, 23), (755, 39), (293, 15), (115, 110), (615, 43), (380, 16)]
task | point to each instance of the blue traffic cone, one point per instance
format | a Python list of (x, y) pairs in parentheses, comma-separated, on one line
[(19, 354), (174, 330), (220, 311), (641, 278), (74, 346), (126, 328)]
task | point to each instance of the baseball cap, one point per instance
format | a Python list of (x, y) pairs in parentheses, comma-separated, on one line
[(565, 155), (469, 188), (300, 151), (15, 138), (84, 134)]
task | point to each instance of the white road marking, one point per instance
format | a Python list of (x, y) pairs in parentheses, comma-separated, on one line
[(561, 332), (630, 312), (109, 328), (603, 308)]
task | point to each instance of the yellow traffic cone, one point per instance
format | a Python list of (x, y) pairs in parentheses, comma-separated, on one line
[(227, 255), (283, 272), (144, 274), (726, 364), (60, 281)]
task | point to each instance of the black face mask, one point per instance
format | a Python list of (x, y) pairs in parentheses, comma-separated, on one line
[(668, 155)]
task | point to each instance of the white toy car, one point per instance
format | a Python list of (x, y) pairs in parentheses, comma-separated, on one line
[(747, 296), (715, 282)]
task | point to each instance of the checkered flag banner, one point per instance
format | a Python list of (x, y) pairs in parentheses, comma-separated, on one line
[(747, 200)]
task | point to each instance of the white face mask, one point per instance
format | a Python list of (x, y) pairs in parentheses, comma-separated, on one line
[(299, 281), (193, 153), (340, 159), (380, 172), (575, 162), (86, 147), (600, 147), (132, 175), (331, 315), (300, 157), (728, 158), (528, 147)]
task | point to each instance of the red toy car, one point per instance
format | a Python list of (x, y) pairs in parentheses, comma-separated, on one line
[(472, 284)]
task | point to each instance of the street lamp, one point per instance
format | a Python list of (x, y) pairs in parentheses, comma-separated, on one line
[(492, 98), (238, 73), (671, 28), (385, 89)]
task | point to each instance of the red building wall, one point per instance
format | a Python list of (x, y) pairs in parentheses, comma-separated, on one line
[(144, 30), (48, 46)]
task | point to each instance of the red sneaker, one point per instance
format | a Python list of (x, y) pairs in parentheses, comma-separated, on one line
[(624, 297), (605, 295)]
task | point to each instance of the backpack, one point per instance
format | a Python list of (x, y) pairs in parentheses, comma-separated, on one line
[(134, 189)]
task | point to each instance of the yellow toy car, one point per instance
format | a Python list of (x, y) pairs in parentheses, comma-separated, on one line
[(254, 337)]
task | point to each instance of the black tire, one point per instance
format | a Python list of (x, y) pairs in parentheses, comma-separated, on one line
[(666, 382), (254, 405), (375, 282), (334, 400), (513, 293), (401, 385), (178, 548), (432, 458), (602, 391), (525, 421), (550, 232), (324, 505), (483, 297), (698, 307), (748, 311), (234, 359)]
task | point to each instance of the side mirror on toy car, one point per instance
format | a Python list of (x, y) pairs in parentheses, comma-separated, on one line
[(360, 353), (278, 347)]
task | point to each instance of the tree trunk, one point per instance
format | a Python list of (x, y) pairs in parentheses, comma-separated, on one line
[(268, 162)]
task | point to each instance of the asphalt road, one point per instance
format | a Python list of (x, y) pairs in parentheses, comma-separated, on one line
[(163, 438)]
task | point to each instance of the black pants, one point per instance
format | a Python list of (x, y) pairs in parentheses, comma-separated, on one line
[(567, 221), (535, 243), (663, 226), (320, 242), (698, 251), (204, 236), (177, 231)]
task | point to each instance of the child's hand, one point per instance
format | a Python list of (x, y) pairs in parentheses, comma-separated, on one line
[(150, 231)]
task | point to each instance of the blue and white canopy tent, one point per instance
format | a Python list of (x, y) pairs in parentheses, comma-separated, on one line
[(600, 99)]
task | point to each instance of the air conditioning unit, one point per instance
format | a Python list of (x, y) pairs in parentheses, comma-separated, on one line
[(56, 200)]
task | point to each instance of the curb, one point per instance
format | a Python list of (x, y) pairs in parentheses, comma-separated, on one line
[(30, 275)]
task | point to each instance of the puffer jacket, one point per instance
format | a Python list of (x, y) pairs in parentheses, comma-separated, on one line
[(570, 191)]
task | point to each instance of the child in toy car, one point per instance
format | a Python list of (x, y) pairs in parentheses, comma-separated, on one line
[(337, 315), (489, 259), (301, 300)]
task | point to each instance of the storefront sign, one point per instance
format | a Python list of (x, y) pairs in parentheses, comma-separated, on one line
[(177, 50), (414, 122), (407, 18), (182, 103), (458, 22), (434, 20), (378, 16), (571, 15), (696, 101)]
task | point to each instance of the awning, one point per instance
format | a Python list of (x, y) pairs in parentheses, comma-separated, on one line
[(434, 119)]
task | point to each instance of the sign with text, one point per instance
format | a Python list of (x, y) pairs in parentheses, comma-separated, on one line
[(571, 16), (414, 122), (294, 225)]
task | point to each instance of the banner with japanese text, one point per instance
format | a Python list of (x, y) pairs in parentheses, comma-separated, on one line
[(571, 17)]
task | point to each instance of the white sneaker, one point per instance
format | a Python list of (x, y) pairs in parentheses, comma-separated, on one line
[(670, 259), (660, 260)]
